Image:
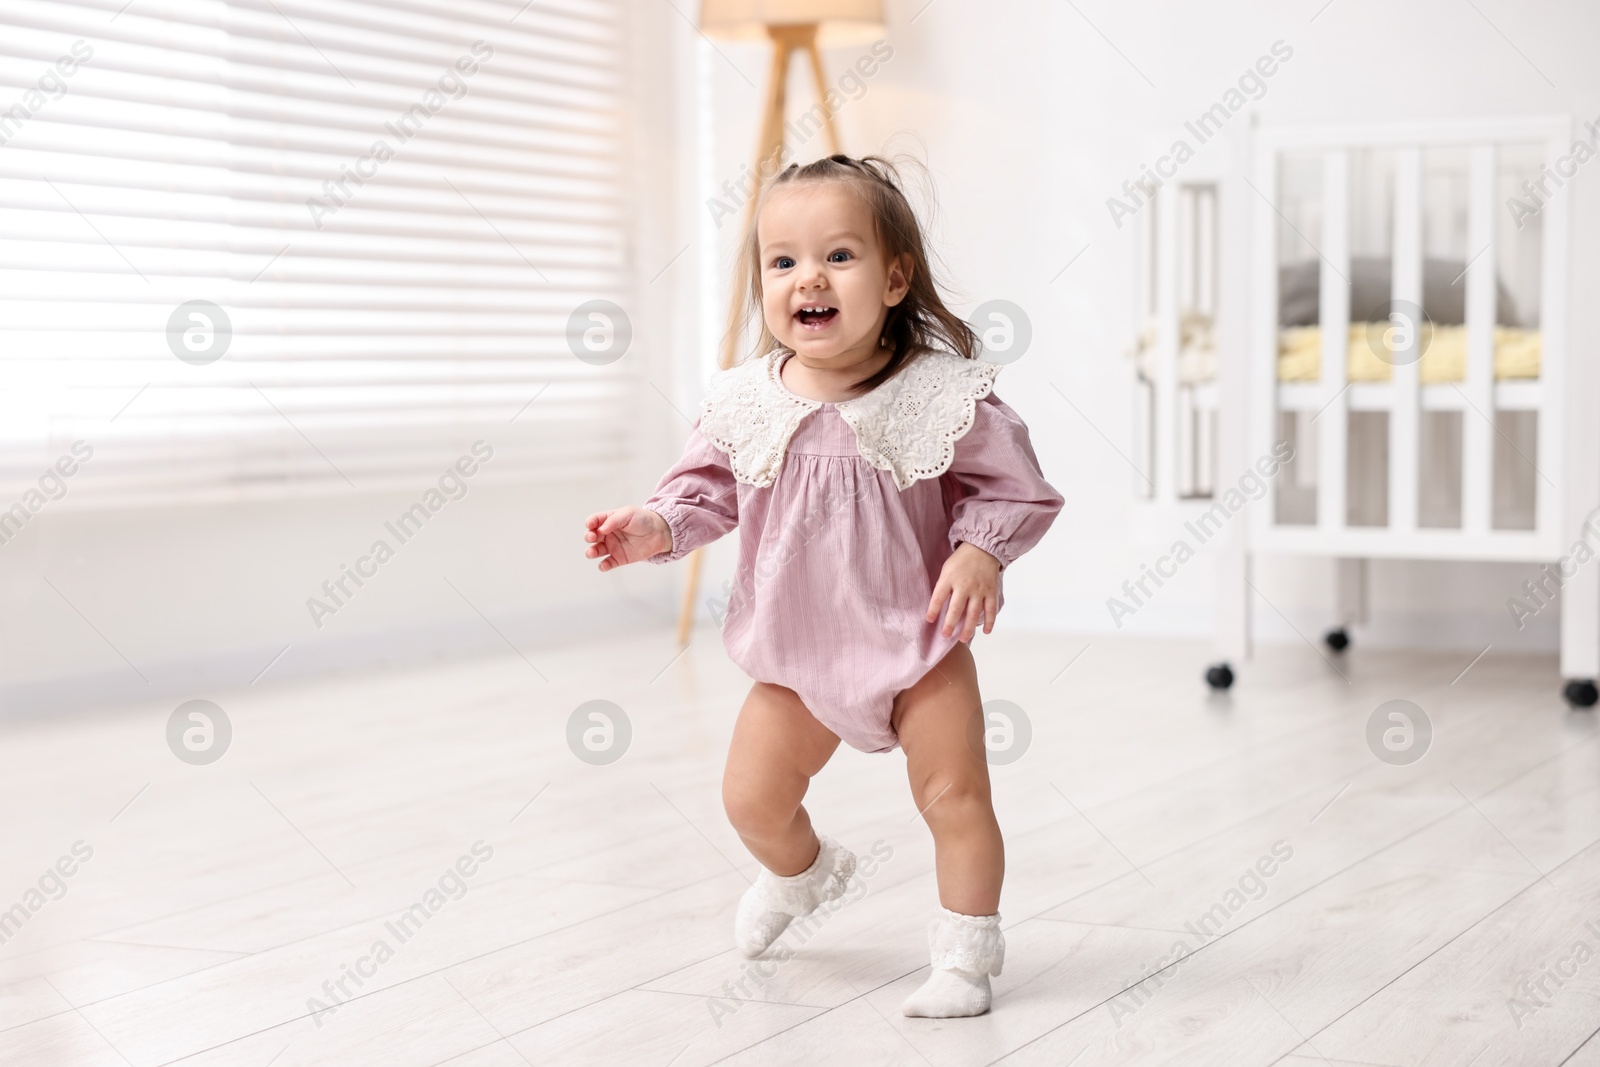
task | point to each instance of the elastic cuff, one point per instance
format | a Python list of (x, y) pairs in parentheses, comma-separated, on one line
[(995, 546), (673, 516), (969, 943)]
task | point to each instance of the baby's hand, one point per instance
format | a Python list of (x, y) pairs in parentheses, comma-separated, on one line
[(971, 580), (625, 535)]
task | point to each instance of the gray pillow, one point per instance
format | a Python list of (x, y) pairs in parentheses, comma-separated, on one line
[(1299, 296)]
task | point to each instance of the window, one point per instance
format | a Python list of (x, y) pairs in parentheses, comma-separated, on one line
[(291, 247)]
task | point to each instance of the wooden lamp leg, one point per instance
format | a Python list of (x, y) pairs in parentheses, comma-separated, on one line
[(769, 152), (822, 93)]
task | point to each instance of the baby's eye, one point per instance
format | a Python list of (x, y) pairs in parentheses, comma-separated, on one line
[(783, 262), (835, 257)]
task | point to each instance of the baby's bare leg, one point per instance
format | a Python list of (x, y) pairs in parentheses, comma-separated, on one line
[(777, 747), (950, 783)]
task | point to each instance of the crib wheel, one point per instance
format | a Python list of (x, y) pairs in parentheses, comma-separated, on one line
[(1581, 693), (1338, 640), (1220, 677)]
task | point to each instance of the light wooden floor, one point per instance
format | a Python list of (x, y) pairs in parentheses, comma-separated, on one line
[(223, 897)]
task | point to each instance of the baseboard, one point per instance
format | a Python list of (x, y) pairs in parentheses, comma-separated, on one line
[(1441, 630), (189, 677)]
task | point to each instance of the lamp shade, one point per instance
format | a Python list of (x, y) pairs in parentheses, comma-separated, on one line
[(840, 22)]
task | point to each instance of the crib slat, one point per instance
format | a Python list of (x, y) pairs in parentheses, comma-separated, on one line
[(1261, 394), (1477, 426), (1205, 259), (1555, 443), (1167, 339), (1334, 421), (1407, 286)]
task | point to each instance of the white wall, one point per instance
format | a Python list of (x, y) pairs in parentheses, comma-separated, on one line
[(1031, 114)]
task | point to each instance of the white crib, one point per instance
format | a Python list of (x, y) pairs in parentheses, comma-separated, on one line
[(1256, 265)]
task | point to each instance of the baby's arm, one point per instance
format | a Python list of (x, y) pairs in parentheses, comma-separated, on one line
[(1004, 508), (696, 502)]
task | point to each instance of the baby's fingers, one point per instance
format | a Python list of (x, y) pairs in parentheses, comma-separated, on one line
[(974, 617), (615, 520), (594, 527), (953, 615), (940, 591)]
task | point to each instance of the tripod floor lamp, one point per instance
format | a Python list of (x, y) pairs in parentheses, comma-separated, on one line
[(792, 26)]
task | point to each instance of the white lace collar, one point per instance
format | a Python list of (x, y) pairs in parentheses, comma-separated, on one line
[(908, 426)]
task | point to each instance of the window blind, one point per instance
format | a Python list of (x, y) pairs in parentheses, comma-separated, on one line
[(279, 247)]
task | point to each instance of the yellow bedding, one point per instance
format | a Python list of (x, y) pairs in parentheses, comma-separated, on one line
[(1516, 354)]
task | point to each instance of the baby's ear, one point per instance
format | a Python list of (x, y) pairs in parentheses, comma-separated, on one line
[(898, 283)]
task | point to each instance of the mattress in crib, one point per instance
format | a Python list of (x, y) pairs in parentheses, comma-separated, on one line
[(1516, 354)]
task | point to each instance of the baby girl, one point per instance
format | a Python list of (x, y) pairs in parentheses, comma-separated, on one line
[(879, 483)]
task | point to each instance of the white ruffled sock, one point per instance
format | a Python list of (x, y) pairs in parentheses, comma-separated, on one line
[(964, 950), (774, 901)]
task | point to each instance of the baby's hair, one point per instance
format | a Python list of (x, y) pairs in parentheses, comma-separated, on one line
[(920, 322)]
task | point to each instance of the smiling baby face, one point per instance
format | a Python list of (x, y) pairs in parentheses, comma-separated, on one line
[(826, 283)]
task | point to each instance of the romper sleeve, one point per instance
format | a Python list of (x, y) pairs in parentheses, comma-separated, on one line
[(1002, 503), (697, 497)]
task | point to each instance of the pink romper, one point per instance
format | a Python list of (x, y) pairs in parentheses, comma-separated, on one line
[(848, 512)]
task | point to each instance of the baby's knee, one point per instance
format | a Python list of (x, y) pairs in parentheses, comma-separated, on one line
[(954, 800), (755, 810)]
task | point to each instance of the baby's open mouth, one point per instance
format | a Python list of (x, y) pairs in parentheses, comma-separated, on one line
[(816, 316)]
